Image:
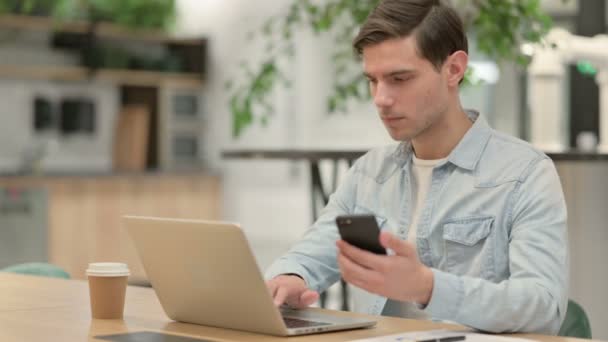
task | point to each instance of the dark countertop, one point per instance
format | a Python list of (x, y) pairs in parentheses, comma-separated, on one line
[(317, 154), (575, 155), (292, 154)]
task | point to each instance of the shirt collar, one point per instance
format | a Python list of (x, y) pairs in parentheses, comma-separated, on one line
[(466, 154)]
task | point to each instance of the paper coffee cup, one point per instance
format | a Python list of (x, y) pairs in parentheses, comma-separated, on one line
[(107, 288)]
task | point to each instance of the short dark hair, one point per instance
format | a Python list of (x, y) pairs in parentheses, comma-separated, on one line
[(437, 27)]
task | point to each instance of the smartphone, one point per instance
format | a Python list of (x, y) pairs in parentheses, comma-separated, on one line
[(361, 231)]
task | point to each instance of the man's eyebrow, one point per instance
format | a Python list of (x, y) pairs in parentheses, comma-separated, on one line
[(393, 73), (400, 72)]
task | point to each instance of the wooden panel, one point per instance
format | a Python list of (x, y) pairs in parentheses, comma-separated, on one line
[(85, 213), (147, 78), (42, 72), (78, 73), (131, 141), (586, 195)]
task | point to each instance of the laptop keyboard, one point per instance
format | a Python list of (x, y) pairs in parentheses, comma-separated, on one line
[(301, 323)]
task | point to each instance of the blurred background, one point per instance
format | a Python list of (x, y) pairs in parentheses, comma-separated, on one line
[(249, 111)]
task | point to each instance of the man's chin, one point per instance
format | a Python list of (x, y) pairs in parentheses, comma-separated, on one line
[(399, 136)]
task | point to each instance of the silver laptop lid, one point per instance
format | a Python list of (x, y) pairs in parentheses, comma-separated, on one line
[(204, 272)]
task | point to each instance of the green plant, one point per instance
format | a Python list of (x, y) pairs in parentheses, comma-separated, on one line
[(26, 7), (135, 14), (500, 26)]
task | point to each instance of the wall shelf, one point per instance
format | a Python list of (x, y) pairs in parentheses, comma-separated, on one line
[(150, 69), (22, 22), (80, 74), (86, 39), (102, 29)]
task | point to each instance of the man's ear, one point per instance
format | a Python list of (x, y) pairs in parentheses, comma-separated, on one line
[(455, 66)]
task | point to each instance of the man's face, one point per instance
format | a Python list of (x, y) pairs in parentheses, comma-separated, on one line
[(410, 94)]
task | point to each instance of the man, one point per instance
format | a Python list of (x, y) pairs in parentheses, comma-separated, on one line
[(478, 218)]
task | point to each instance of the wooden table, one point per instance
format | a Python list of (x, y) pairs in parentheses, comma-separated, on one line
[(45, 309)]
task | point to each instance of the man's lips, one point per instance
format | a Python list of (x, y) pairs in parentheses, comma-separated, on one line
[(390, 119)]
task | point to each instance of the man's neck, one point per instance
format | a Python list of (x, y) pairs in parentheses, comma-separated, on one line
[(439, 140)]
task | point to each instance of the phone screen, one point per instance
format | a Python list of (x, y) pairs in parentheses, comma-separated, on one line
[(361, 231)]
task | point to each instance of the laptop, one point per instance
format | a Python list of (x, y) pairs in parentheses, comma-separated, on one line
[(204, 272)]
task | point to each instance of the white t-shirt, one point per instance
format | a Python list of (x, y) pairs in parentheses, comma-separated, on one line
[(422, 174)]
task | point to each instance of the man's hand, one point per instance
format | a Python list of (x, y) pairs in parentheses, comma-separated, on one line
[(291, 290), (399, 277)]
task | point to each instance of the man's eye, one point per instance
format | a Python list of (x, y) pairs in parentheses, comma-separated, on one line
[(402, 79)]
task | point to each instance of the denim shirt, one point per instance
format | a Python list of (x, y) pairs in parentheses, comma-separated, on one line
[(492, 230)]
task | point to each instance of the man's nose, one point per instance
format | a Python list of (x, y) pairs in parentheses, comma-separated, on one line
[(382, 97)]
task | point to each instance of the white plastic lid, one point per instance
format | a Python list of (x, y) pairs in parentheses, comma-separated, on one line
[(108, 269)]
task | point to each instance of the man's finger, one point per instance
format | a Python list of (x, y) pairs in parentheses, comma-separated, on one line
[(362, 257), (351, 271), (359, 284), (280, 296), (391, 241), (272, 288), (346, 268), (308, 298)]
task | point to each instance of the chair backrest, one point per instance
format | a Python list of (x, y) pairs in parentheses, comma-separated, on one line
[(576, 323), (39, 269)]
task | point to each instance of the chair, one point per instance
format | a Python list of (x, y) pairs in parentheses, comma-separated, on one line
[(39, 269), (576, 323)]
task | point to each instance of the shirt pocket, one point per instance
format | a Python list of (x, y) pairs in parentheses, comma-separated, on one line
[(468, 246)]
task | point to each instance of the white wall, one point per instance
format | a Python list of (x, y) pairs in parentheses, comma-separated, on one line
[(270, 198), (76, 152), (259, 195)]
